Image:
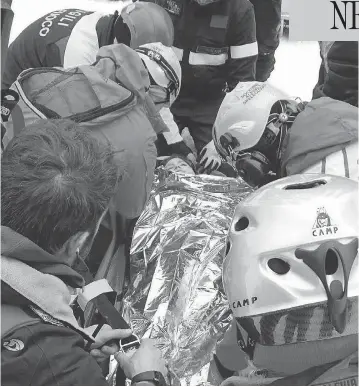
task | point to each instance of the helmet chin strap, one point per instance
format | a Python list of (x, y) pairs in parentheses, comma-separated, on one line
[(282, 122), (264, 157)]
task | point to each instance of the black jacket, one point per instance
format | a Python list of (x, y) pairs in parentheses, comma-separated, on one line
[(338, 76), (52, 355), (215, 43), (53, 40), (47, 347)]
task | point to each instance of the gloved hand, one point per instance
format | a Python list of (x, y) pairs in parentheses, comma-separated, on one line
[(209, 159), (146, 358)]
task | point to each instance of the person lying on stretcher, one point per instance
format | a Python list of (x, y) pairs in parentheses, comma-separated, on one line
[(182, 165)]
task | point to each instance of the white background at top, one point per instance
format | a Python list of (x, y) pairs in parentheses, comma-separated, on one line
[(297, 67)]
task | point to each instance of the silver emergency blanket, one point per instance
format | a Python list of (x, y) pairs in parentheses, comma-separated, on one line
[(177, 253)]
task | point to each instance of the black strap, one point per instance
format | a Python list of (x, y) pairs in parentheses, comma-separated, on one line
[(108, 313), (149, 376), (253, 335), (304, 378), (3, 132), (223, 371), (102, 303), (130, 226)]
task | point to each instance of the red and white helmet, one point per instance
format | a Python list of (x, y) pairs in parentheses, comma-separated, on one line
[(163, 67), (246, 111), (292, 246)]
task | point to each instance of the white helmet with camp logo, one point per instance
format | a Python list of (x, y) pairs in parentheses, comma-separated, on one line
[(245, 112), (293, 244), (163, 67)]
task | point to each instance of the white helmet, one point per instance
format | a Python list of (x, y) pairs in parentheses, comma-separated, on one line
[(163, 67), (245, 113), (292, 246)]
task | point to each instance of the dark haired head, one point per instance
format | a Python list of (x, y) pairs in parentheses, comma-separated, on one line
[(178, 156), (56, 181)]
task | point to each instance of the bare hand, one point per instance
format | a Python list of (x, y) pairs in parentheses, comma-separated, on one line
[(107, 341), (192, 158)]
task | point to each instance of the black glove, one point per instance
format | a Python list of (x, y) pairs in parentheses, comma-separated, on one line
[(179, 148)]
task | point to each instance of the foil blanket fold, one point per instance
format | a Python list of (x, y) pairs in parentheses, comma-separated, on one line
[(177, 252)]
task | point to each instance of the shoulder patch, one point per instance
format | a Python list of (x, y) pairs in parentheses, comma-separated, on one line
[(219, 21), (14, 345)]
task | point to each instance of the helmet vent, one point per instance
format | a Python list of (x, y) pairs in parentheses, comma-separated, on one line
[(331, 262), (310, 184), (241, 224), (278, 266)]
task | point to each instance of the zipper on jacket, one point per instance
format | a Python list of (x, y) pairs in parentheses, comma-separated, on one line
[(98, 112), (25, 74), (79, 117)]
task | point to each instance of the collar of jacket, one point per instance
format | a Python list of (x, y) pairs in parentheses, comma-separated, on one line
[(105, 29), (35, 275), (45, 291), (14, 245)]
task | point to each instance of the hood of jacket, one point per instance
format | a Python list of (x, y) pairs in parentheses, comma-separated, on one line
[(123, 65), (30, 275), (15, 246), (322, 128)]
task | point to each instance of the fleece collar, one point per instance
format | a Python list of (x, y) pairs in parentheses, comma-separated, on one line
[(45, 291)]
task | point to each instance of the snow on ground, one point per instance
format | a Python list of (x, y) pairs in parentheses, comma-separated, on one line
[(296, 70)]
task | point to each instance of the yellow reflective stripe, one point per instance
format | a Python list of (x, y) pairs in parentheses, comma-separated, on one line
[(244, 51), (207, 59)]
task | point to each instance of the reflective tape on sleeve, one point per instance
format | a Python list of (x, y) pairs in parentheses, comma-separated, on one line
[(199, 59), (244, 51)]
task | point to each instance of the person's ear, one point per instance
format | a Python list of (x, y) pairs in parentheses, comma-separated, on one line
[(79, 241), (72, 247)]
